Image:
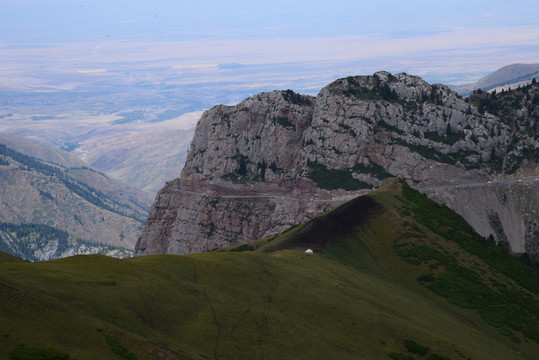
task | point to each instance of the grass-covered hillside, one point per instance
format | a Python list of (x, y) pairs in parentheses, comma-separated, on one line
[(393, 276)]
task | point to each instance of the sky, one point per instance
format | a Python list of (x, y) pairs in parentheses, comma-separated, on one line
[(31, 21), (450, 41)]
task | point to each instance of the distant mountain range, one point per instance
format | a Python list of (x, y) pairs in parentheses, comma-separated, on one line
[(510, 75), (394, 275), (53, 204)]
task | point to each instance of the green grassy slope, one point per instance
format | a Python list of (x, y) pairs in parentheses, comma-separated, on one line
[(358, 297)]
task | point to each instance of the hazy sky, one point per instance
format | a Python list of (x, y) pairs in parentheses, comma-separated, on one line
[(132, 20), (438, 39)]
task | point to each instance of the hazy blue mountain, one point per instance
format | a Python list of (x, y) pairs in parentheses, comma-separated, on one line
[(508, 75)]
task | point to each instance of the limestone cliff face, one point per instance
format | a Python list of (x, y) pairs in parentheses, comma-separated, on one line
[(509, 210), (251, 147), (280, 158), (242, 180)]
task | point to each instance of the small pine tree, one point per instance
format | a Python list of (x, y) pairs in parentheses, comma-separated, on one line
[(242, 169)]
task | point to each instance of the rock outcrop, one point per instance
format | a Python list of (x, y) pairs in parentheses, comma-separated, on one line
[(280, 158), (507, 210)]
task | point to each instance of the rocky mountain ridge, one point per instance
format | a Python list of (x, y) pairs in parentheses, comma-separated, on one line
[(280, 158)]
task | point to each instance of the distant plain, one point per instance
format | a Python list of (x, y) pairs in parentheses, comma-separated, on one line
[(70, 72)]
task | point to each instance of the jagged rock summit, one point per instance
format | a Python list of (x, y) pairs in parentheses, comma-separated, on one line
[(280, 158)]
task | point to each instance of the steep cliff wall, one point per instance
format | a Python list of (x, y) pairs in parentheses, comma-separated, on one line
[(508, 210), (279, 158), (242, 179)]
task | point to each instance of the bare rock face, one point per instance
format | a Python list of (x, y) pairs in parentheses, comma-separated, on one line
[(506, 209), (280, 158)]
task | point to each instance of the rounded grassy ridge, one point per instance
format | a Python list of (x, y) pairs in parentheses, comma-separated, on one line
[(382, 272)]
